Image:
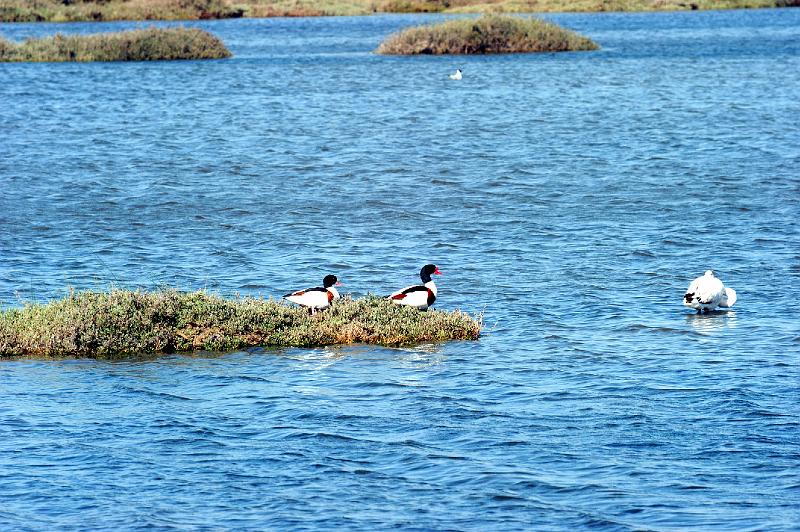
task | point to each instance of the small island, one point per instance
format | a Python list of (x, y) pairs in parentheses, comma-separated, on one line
[(153, 44), (489, 34), (125, 323)]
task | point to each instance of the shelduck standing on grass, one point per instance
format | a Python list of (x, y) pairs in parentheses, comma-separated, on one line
[(318, 298), (707, 293), (420, 296)]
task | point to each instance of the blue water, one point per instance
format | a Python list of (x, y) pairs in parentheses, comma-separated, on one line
[(569, 197)]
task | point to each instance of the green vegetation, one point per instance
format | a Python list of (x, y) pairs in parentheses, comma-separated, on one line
[(123, 323), (591, 6), (489, 34), (98, 10), (89, 10), (139, 45), (305, 8)]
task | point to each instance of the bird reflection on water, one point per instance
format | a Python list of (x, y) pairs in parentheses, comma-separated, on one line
[(712, 322)]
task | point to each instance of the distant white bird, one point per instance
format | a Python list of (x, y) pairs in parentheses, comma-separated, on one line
[(456, 75), (707, 293)]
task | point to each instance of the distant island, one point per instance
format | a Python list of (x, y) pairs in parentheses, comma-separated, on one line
[(154, 44), (125, 323), (489, 34), (103, 10)]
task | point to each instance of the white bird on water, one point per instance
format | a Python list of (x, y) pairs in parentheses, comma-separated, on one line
[(707, 293), (456, 75)]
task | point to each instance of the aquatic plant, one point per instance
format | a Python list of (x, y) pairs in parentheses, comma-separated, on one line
[(122, 323), (489, 34), (151, 44)]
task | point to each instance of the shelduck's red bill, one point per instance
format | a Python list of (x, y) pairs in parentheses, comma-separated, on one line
[(437, 272)]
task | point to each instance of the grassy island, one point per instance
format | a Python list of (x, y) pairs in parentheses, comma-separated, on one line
[(97, 10), (152, 44), (489, 34), (123, 323), (102, 10), (592, 6)]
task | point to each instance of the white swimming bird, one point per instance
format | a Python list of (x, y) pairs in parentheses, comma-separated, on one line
[(456, 75), (707, 293)]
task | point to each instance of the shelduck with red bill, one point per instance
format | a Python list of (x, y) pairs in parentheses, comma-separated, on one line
[(318, 298), (420, 296)]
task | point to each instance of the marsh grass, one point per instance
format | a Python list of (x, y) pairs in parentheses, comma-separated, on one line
[(305, 8), (138, 45), (99, 10), (489, 34), (591, 6), (123, 323)]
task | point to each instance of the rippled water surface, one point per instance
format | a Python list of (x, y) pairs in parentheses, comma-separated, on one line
[(571, 197)]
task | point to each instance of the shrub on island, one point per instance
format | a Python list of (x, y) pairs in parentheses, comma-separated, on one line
[(489, 34), (123, 323), (105, 10), (153, 44)]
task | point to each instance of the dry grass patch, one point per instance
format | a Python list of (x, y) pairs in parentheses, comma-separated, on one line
[(123, 323), (489, 34), (304, 8)]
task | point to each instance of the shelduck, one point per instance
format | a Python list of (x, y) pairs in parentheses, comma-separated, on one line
[(707, 293), (422, 295), (456, 75), (318, 298)]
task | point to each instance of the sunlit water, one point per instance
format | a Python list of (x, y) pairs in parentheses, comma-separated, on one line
[(571, 197)]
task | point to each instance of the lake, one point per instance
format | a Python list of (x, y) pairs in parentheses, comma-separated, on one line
[(569, 197)]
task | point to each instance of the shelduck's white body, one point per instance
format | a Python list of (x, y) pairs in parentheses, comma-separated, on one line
[(456, 75), (707, 293), (420, 296), (318, 298)]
